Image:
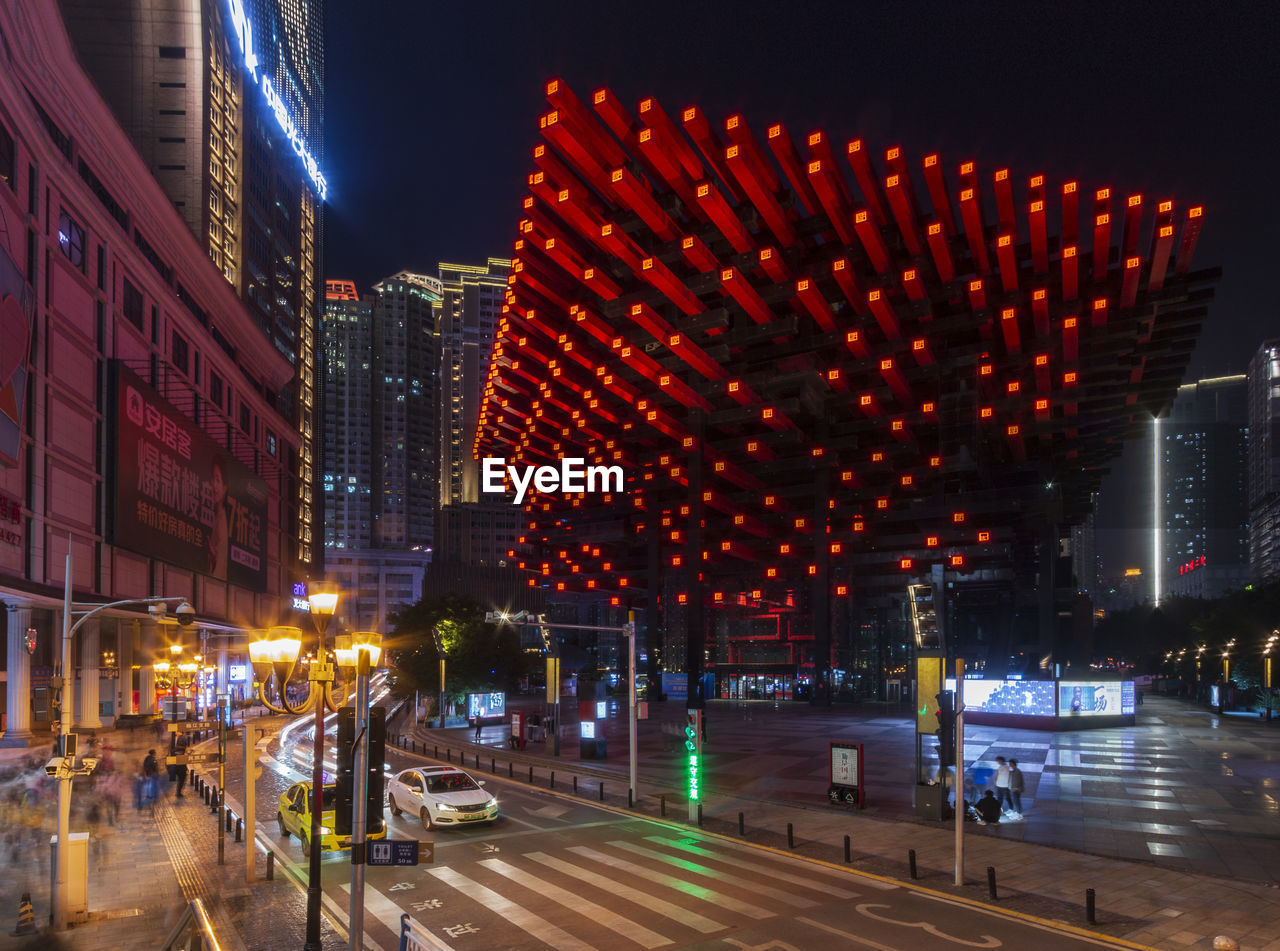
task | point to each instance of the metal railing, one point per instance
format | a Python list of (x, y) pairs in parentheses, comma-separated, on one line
[(194, 931)]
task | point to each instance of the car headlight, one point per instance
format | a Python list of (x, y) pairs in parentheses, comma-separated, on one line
[(491, 804), (445, 807), (325, 830)]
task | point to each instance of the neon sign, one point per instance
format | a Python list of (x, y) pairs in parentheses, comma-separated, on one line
[(691, 747), (244, 30), (1191, 565)]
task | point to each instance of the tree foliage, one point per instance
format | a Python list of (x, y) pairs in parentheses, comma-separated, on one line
[(479, 657)]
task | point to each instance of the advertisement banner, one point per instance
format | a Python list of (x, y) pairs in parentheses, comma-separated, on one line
[(181, 497), (1086, 698), (484, 705), (1028, 698)]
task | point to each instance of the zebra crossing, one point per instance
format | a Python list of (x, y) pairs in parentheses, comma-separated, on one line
[(654, 891)]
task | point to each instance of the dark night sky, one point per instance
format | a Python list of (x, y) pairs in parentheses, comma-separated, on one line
[(432, 110)]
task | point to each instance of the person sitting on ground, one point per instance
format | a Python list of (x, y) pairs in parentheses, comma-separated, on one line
[(988, 808)]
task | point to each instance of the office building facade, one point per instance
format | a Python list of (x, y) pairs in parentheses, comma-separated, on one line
[(140, 442), (224, 99), (1264, 462)]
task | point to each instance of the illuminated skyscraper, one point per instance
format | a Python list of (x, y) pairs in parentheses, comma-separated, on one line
[(468, 319), (1202, 505), (224, 101), (347, 339), (1264, 461)]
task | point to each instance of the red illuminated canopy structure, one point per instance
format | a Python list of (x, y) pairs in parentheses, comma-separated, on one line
[(828, 369)]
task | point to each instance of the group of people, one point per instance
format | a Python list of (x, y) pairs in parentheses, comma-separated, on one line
[(1003, 798)]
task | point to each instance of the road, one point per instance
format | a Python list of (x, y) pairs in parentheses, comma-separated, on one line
[(563, 872)]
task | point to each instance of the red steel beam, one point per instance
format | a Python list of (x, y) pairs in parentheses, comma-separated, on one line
[(940, 250), (860, 162), (660, 276), (903, 213), (734, 285), (1190, 235), (1070, 213), (653, 115), (1071, 338), (739, 134), (1101, 233), (635, 193), (830, 190), (938, 195), (585, 125), (1161, 245), (1132, 225), (724, 217), (773, 266), (1009, 329), (884, 314), (1070, 273), (1040, 310), (914, 287), (853, 292), (869, 236), (708, 143), (1039, 236), (1129, 285), (971, 214), (1008, 262), (619, 244), (760, 195), (1004, 203), (652, 145), (698, 254), (784, 150)]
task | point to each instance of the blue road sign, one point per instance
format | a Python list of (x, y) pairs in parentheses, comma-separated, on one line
[(393, 852)]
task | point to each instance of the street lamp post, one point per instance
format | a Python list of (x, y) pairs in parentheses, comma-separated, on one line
[(630, 631), (323, 606), (360, 650), (66, 769)]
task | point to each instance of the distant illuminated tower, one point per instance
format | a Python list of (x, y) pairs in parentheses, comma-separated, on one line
[(349, 386), (1201, 503), (469, 316), (1264, 461)]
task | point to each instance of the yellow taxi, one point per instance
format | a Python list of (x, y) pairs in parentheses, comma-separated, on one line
[(293, 813)]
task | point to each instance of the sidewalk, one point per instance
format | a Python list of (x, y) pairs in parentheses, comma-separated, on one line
[(769, 764), (145, 868)]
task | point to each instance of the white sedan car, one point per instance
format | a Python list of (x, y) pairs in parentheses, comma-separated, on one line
[(440, 796)]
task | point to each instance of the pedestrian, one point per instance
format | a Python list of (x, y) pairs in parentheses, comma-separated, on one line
[(139, 791), (1002, 783), (182, 778), (1016, 786), (988, 809), (478, 727), (151, 773)]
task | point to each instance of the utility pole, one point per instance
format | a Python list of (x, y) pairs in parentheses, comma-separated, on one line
[(631, 701), (959, 810)]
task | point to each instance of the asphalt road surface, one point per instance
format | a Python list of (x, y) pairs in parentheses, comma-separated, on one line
[(557, 871)]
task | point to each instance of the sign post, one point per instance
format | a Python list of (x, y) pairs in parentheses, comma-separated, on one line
[(846, 784), (959, 810), (400, 852)]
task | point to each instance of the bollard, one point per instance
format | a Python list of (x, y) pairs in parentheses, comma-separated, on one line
[(493, 765), (602, 792), (230, 816), (699, 815), (552, 783), (742, 828), (791, 839), (530, 775), (414, 745), (477, 761), (847, 854), (271, 866), (991, 881), (239, 829), (663, 801), (510, 769), (575, 784), (448, 755), (630, 798), (911, 864), (1090, 915), (435, 750)]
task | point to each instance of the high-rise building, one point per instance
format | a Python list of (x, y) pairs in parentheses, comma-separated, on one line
[(469, 315), (224, 101), (1264, 461), (380, 387), (1202, 500), (142, 451), (349, 361)]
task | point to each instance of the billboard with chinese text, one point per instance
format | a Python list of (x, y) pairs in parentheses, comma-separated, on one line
[(181, 497)]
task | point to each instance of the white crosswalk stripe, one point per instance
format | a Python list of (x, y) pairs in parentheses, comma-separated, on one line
[(769, 891), (611, 920), (519, 916), (610, 884), (803, 881), (718, 899)]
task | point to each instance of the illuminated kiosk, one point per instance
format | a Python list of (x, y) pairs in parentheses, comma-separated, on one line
[(828, 370), (1067, 704)]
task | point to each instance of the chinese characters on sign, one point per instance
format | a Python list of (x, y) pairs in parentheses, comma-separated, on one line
[(10, 512), (181, 497)]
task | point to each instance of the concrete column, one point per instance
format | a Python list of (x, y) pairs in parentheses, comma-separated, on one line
[(126, 634), (148, 645), (18, 704), (87, 689), (224, 685)]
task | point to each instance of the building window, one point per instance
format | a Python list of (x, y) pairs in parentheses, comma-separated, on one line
[(215, 389), (244, 417), (71, 239), (134, 306), (179, 353), (173, 52), (8, 161), (271, 443)]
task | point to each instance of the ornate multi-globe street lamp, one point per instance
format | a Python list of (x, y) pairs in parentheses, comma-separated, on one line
[(278, 653)]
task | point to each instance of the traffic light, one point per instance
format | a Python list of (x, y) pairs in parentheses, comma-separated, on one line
[(946, 731), (345, 782)]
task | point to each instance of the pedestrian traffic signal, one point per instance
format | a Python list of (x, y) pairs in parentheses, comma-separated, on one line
[(345, 781), (946, 731)]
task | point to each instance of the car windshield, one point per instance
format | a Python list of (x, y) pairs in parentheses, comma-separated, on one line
[(450, 782), (330, 794)]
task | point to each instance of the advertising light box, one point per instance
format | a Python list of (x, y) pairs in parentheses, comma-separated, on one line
[(1028, 698), (1082, 698), (486, 705)]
